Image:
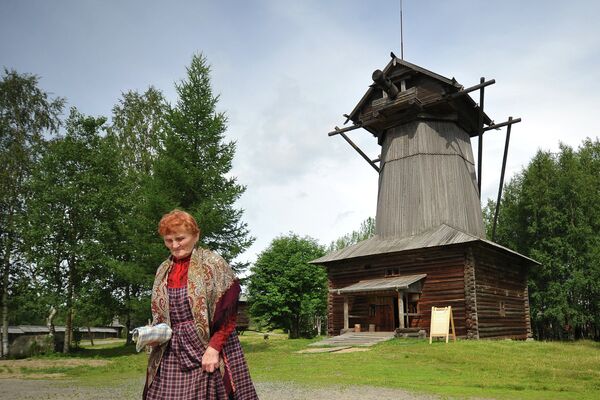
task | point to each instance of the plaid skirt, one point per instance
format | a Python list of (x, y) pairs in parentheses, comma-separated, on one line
[(180, 374)]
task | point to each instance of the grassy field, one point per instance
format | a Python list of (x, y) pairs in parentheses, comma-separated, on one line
[(490, 369)]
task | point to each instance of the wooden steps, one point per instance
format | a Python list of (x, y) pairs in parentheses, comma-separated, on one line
[(362, 339), (415, 333)]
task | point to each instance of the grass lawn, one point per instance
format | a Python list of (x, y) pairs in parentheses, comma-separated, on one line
[(493, 369), (490, 369)]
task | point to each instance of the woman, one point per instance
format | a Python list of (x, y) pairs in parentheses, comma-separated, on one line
[(196, 293)]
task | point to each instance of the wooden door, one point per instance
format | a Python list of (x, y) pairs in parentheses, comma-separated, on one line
[(382, 309)]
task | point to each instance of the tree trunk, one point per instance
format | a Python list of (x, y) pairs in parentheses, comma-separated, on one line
[(295, 328), (128, 315), (91, 335), (50, 322), (5, 275), (69, 321), (68, 330)]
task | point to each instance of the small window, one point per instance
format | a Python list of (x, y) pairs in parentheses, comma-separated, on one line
[(392, 272), (502, 309)]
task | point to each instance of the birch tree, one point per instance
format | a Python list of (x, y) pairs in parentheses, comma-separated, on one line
[(76, 186), (27, 115)]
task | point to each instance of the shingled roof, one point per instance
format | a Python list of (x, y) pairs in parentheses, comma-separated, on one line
[(443, 235), (428, 95)]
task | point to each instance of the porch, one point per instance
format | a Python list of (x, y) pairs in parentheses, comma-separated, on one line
[(381, 305)]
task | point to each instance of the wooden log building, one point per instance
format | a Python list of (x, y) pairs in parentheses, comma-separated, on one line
[(430, 247)]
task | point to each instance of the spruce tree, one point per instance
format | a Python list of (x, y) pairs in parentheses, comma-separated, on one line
[(192, 171), (551, 213)]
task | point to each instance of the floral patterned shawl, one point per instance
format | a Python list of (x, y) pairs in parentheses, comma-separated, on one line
[(213, 292)]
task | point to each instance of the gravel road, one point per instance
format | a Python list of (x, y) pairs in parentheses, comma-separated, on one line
[(22, 389)]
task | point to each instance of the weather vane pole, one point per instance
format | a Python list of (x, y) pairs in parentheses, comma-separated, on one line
[(401, 34)]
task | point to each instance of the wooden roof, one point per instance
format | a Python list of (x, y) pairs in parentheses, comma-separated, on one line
[(423, 100), (442, 235), (381, 284)]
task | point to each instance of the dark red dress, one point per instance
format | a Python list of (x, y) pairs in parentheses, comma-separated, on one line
[(180, 374)]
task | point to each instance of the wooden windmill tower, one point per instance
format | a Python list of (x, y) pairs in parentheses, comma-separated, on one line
[(429, 248)]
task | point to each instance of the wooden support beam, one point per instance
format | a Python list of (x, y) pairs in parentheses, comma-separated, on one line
[(359, 151), (406, 314), (337, 130), (346, 323), (401, 309), (501, 178), (480, 142), (510, 121), (470, 89)]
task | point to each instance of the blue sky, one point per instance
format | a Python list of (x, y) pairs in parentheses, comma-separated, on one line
[(286, 71)]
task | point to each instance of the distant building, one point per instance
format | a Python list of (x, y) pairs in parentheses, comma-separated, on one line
[(243, 320), (35, 330)]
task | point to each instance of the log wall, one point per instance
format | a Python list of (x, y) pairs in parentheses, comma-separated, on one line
[(486, 288), (472, 321), (444, 285), (502, 297)]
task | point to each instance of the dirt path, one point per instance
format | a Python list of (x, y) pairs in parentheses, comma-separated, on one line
[(22, 389)]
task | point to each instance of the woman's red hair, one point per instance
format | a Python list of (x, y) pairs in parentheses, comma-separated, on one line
[(177, 220)]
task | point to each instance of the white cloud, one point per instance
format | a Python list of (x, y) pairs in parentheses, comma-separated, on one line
[(288, 70)]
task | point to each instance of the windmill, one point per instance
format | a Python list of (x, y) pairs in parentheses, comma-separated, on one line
[(429, 247)]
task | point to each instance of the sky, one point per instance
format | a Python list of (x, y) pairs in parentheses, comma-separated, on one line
[(287, 70)]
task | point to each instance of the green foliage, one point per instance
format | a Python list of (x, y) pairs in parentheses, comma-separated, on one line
[(284, 290), (551, 213), (79, 211), (366, 230), (138, 131), (26, 114), (28, 300), (192, 170), (139, 123), (75, 191)]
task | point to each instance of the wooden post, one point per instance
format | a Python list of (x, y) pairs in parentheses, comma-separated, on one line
[(452, 325), (480, 141), (501, 179), (401, 310), (346, 324)]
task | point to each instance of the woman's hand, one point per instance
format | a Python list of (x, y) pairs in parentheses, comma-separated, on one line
[(210, 360)]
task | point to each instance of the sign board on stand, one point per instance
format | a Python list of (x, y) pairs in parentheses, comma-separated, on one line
[(441, 322)]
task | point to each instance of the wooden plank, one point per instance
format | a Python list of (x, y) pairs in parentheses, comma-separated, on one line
[(502, 280), (427, 178), (346, 323), (400, 310)]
